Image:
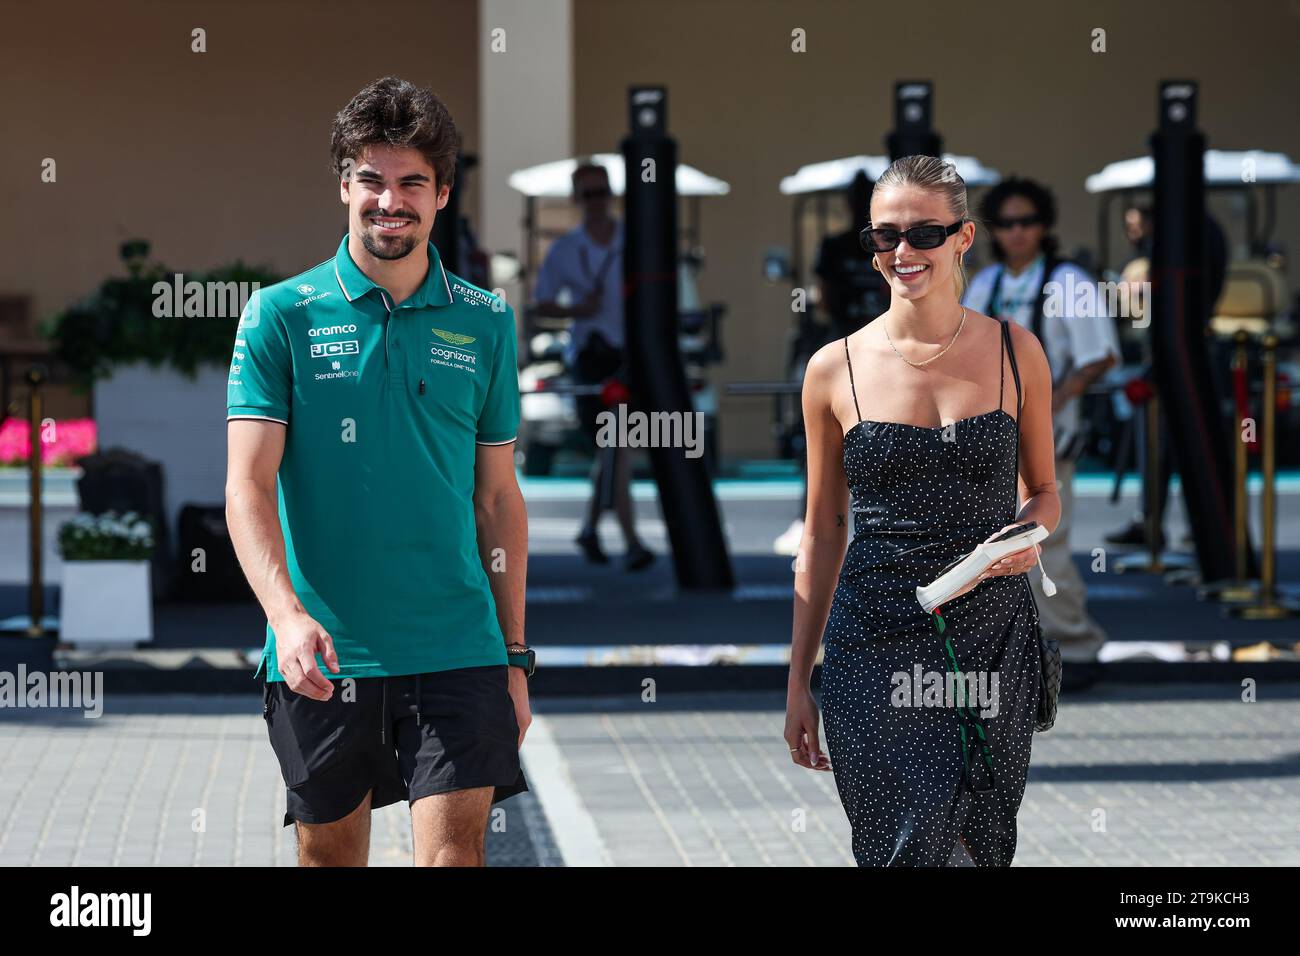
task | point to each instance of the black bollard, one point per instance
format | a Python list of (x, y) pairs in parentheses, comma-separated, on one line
[(657, 376), (446, 225), (913, 133), (1178, 329)]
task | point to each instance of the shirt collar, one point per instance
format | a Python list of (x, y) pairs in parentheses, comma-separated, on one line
[(615, 242), (434, 291)]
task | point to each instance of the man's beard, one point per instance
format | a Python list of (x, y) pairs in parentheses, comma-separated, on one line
[(388, 247)]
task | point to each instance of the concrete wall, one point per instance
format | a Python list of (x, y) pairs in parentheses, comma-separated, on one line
[(526, 108), (167, 417), (210, 156), (224, 155), (1015, 85)]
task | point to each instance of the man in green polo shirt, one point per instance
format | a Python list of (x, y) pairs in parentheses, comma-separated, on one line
[(372, 500)]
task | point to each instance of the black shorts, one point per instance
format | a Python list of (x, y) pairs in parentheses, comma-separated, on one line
[(401, 737), (597, 361)]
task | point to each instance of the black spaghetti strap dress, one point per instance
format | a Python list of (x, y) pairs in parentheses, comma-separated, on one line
[(914, 768)]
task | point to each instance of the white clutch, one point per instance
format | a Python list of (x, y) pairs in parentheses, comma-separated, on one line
[(969, 568)]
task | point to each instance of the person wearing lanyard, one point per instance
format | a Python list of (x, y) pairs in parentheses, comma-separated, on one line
[(582, 277), (1081, 344), (372, 501)]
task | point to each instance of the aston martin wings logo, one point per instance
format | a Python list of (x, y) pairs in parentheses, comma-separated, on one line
[(453, 338)]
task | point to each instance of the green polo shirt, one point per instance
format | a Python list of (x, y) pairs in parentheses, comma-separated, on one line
[(384, 406)]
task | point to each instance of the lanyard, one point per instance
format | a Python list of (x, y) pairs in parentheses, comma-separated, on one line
[(966, 716)]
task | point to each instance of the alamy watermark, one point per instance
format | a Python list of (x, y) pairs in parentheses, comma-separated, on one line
[(946, 689), (75, 908), (74, 690), (636, 429), (201, 300), (1083, 297)]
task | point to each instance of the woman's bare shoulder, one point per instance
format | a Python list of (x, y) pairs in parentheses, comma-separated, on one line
[(1030, 357), (826, 364)]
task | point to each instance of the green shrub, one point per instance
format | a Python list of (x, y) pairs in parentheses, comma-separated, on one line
[(117, 325)]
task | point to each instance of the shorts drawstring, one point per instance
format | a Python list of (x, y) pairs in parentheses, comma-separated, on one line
[(417, 700), (383, 710)]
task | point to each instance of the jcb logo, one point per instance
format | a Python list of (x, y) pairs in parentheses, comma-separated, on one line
[(326, 349)]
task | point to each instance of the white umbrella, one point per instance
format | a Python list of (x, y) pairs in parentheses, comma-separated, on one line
[(1223, 167), (555, 180), (838, 173)]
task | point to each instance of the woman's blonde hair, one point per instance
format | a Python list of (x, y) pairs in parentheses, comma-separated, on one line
[(937, 175)]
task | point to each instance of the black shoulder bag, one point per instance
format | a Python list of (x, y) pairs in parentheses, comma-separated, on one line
[(1049, 652)]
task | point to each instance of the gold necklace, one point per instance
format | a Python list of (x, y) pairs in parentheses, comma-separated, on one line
[(888, 339)]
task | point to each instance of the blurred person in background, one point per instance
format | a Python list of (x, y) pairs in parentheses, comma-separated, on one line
[(1081, 345), (850, 290), (1139, 228), (582, 278), (851, 293)]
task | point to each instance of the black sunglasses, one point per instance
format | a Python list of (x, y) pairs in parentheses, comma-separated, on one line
[(1012, 222), (598, 193), (918, 237)]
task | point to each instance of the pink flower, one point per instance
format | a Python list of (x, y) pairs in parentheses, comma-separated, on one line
[(14, 441), (64, 442)]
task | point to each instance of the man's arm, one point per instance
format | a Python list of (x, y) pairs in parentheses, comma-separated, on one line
[(255, 448), (502, 524), (554, 276), (1079, 381), (585, 309), (501, 521), (1094, 347)]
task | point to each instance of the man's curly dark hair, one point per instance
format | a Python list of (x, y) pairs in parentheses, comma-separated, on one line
[(395, 112), (1039, 196)]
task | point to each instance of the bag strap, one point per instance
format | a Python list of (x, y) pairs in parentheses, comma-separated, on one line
[(1048, 268), (974, 738), (1015, 374), (1036, 321), (976, 741)]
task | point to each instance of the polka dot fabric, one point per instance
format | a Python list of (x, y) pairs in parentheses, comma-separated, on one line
[(922, 498)]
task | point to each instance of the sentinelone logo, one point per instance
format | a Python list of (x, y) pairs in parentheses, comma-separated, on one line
[(75, 908), (74, 690)]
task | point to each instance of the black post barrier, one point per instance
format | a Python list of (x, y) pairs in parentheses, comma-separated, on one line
[(446, 225), (913, 133), (657, 377), (1178, 329), (35, 512)]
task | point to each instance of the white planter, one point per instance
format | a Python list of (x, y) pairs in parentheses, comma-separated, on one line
[(59, 503), (105, 604)]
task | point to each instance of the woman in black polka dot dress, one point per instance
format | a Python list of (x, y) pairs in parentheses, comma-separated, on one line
[(925, 417)]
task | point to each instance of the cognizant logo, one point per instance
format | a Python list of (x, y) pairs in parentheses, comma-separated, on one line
[(453, 354), (331, 330)]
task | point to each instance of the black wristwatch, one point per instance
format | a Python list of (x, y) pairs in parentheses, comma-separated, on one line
[(521, 655)]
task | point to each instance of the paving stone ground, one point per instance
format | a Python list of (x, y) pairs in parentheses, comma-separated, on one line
[(181, 781), (1129, 776), (1159, 775)]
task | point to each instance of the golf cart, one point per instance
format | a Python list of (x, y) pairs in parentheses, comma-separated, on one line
[(549, 422), (1255, 293), (818, 211)]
